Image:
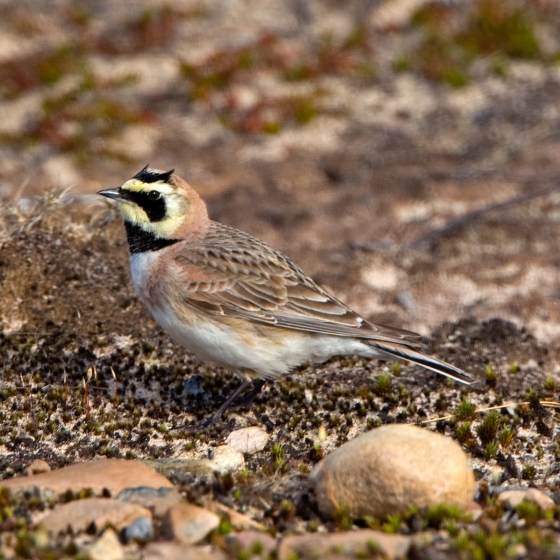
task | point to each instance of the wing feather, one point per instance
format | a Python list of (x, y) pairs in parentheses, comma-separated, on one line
[(236, 275)]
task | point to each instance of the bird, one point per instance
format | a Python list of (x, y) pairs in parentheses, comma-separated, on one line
[(232, 300)]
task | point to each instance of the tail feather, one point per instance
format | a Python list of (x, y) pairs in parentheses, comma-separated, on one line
[(402, 352)]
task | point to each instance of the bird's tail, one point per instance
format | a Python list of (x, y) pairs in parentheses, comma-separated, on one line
[(402, 352)]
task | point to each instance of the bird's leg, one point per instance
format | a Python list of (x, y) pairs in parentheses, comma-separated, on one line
[(257, 386), (250, 396), (218, 414)]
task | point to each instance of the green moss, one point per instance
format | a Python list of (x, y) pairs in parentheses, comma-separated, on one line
[(343, 519), (529, 472), (506, 437), (491, 376), (528, 511), (465, 411), (392, 525), (271, 127), (277, 451), (453, 39), (455, 77), (498, 26), (487, 430), (313, 525), (550, 384), (490, 450), (303, 108), (383, 384), (436, 515), (225, 527), (464, 434), (299, 72), (43, 68)]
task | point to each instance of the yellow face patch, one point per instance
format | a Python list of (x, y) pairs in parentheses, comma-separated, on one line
[(175, 207)]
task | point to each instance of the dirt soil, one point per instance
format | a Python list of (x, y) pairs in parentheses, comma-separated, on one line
[(352, 171)]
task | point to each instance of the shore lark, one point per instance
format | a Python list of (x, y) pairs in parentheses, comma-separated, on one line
[(232, 300)]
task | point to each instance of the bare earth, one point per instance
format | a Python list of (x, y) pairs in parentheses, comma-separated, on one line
[(350, 169)]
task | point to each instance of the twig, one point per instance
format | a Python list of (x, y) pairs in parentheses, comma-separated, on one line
[(86, 395), (116, 396), (24, 333), (96, 402), (25, 396), (66, 392), (548, 404), (453, 226)]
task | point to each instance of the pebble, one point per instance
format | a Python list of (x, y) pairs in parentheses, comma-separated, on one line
[(354, 544), (227, 459), (157, 500), (238, 521), (37, 467), (178, 551), (188, 523), (510, 499), (111, 474), (200, 467), (224, 459), (248, 440), (475, 511), (140, 530), (517, 551), (540, 498), (80, 514), (251, 544), (106, 547), (390, 469), (193, 386)]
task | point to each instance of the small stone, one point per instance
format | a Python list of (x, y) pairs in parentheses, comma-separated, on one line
[(158, 500), (106, 547), (37, 467), (193, 386), (224, 459), (251, 544), (517, 551), (475, 511), (177, 551), (510, 499), (390, 469), (110, 474), (540, 498), (248, 440), (140, 530), (238, 521), (200, 467), (227, 459), (81, 514), (353, 544), (189, 524)]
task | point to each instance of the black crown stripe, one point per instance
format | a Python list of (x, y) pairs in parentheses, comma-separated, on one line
[(148, 175)]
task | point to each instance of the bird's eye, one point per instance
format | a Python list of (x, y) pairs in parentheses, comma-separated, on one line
[(154, 195)]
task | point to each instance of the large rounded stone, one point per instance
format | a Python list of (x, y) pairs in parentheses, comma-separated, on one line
[(111, 474), (390, 469)]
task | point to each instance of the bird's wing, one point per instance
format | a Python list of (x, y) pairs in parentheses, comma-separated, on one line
[(233, 274)]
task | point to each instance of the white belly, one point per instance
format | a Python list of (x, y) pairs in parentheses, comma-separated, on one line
[(216, 342)]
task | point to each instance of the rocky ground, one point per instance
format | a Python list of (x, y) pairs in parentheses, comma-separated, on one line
[(404, 153)]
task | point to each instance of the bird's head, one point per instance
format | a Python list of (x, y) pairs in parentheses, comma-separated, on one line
[(159, 203)]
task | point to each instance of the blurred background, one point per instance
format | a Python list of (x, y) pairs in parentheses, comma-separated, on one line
[(345, 133)]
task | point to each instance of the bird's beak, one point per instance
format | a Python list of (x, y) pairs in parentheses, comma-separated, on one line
[(116, 194)]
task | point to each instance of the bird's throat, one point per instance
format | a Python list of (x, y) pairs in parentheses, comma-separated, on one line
[(142, 241)]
